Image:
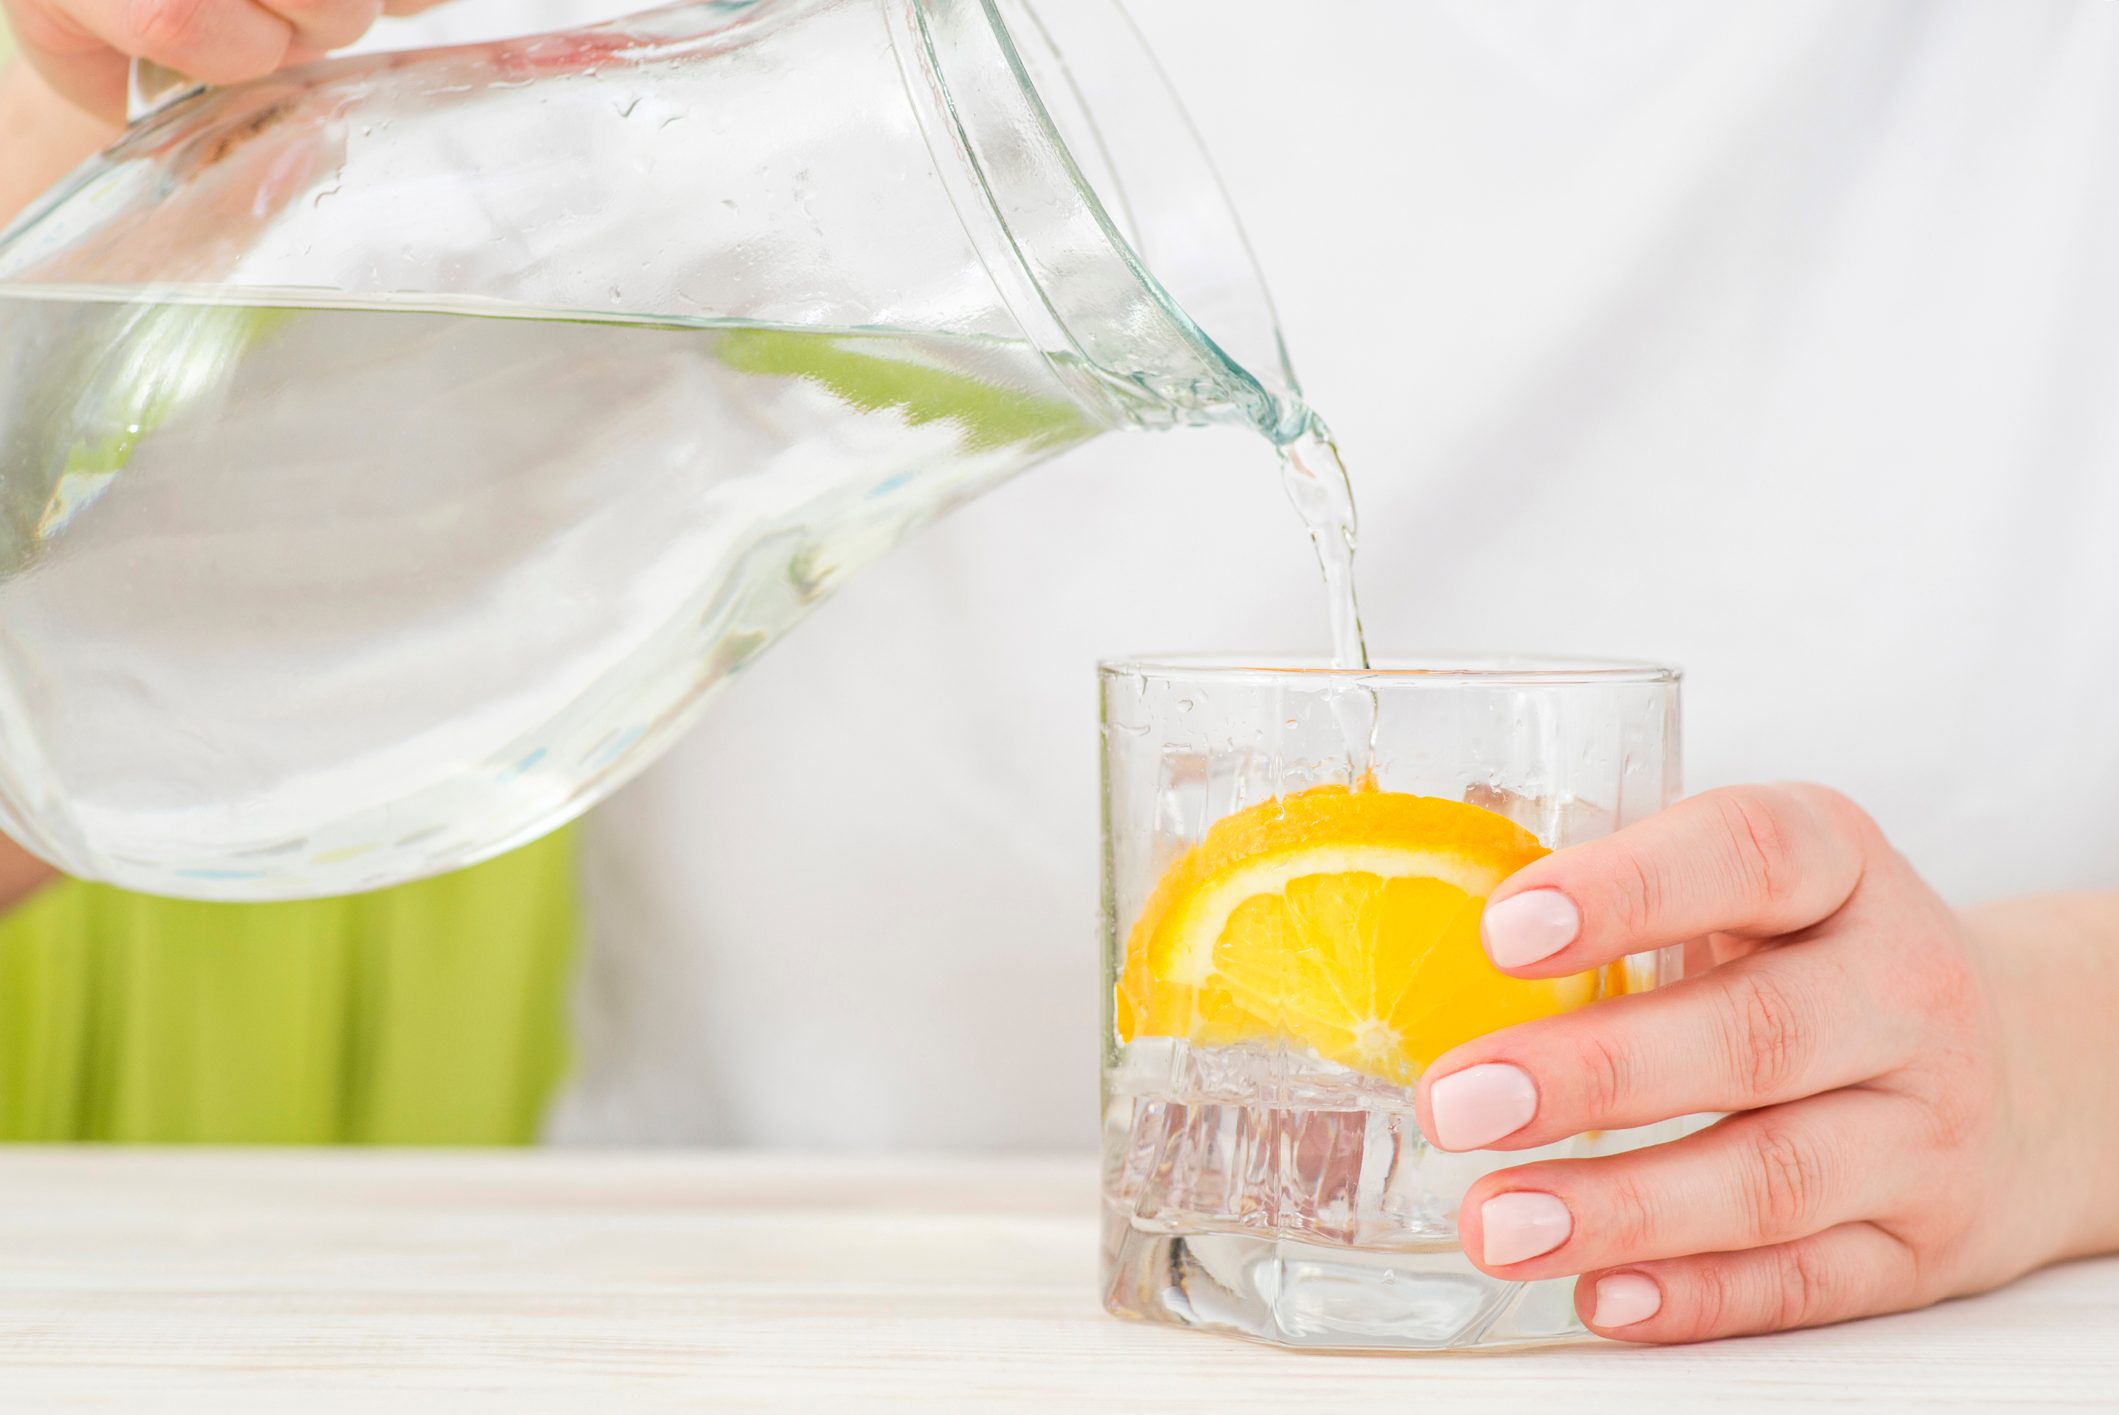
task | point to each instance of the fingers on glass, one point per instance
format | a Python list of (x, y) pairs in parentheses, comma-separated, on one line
[(1755, 1180), (321, 26), (1755, 860), (212, 41), (227, 41), (1854, 1270), (1767, 1029)]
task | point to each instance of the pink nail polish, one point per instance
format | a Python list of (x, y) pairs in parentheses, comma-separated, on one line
[(1522, 1225), (1526, 927), (1474, 1107), (1626, 1298)]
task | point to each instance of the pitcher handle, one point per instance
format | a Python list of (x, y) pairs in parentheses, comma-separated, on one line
[(150, 88)]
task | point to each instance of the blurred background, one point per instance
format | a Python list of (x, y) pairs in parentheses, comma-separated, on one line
[(1776, 339)]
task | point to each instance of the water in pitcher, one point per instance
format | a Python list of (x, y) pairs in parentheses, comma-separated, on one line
[(422, 575), (428, 575)]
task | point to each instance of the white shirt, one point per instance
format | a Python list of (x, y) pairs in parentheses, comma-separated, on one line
[(1777, 339)]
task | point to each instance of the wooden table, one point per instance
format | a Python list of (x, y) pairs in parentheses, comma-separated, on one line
[(313, 1281)]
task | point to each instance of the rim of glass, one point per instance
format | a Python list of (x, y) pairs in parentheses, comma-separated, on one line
[(1540, 669)]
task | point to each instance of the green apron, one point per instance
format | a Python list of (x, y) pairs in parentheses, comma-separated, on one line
[(433, 1013)]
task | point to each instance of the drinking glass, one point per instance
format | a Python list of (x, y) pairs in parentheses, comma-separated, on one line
[(1264, 1172)]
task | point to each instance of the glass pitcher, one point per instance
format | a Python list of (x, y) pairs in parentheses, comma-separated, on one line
[(396, 452)]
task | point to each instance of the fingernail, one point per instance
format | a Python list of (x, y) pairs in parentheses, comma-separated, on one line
[(1522, 1225), (1474, 1107), (1625, 1298), (1526, 927)]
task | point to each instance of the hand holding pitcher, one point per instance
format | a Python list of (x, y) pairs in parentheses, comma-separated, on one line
[(83, 48)]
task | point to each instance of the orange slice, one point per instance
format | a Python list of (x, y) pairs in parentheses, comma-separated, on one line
[(1342, 921)]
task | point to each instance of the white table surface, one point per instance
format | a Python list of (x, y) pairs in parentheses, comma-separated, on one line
[(310, 1281)]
